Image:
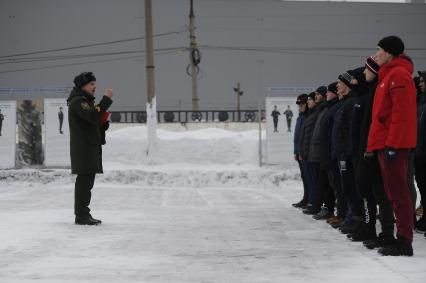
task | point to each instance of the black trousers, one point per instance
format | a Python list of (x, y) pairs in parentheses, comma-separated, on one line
[(305, 182), (83, 194), (353, 199), (335, 178)]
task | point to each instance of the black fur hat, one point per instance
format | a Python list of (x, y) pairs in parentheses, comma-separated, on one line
[(83, 79)]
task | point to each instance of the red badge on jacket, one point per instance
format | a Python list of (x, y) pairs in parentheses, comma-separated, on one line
[(105, 117)]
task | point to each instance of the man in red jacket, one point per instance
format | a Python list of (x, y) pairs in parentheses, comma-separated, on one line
[(393, 134)]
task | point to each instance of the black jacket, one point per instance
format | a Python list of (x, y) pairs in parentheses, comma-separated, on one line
[(306, 132), (327, 122), (297, 128), (368, 172), (315, 146), (344, 126), (356, 124), (86, 135)]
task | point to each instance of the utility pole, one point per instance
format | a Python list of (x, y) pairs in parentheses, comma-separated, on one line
[(194, 58), (151, 105), (149, 49), (239, 93)]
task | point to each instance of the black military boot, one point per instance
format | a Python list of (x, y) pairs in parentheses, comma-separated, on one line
[(367, 232), (398, 248), (324, 214), (87, 220), (420, 225), (383, 240), (311, 210), (351, 228), (300, 204)]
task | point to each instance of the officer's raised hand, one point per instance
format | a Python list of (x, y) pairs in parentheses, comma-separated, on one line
[(108, 93)]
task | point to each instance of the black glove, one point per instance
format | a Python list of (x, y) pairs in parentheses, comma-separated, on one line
[(369, 156), (391, 154), (105, 126)]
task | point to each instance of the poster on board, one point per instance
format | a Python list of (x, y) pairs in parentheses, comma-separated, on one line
[(7, 134), (30, 144), (57, 138), (281, 114)]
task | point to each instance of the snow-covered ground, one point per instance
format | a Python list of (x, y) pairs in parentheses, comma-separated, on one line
[(203, 211)]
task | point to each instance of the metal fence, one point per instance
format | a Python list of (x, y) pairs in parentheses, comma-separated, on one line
[(178, 116)]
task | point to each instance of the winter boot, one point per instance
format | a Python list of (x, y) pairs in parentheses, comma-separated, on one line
[(351, 228), (311, 210), (87, 220), (383, 240), (420, 225), (398, 248), (367, 232), (299, 204), (323, 214)]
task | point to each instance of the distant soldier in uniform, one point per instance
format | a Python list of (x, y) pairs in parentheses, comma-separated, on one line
[(87, 135), (289, 116), (1, 121), (61, 119), (275, 113)]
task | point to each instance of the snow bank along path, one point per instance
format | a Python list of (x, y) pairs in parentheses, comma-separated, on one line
[(202, 158)]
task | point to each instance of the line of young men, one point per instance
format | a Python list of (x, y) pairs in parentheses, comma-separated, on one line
[(355, 142)]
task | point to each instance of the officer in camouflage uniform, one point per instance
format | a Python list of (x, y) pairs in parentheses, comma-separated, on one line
[(87, 136)]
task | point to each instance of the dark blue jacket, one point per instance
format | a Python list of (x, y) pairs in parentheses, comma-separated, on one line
[(315, 146), (368, 172), (306, 132), (297, 128), (355, 125), (343, 125), (334, 130), (326, 133)]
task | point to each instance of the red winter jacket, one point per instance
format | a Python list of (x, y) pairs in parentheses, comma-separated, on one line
[(394, 108)]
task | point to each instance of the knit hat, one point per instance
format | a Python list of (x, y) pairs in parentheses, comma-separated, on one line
[(346, 78), (312, 96), (332, 88), (392, 44), (358, 74), (322, 90), (372, 65), (302, 99), (362, 86), (83, 79)]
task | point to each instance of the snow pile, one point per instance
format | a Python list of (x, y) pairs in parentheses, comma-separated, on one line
[(203, 158), (201, 147), (161, 177)]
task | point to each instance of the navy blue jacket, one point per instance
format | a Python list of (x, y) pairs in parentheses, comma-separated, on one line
[(297, 128), (356, 124), (315, 146), (368, 172), (335, 129), (326, 133), (306, 132), (343, 125)]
